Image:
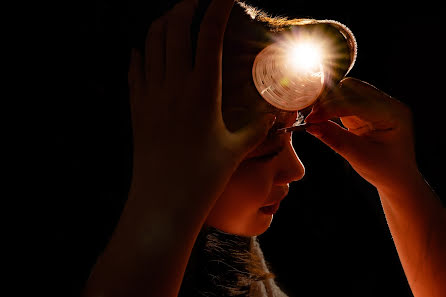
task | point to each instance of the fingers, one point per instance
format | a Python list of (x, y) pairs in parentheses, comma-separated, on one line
[(168, 41), (210, 40), (355, 97), (178, 43), (345, 143), (155, 49)]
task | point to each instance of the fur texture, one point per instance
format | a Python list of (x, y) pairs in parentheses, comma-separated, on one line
[(223, 264)]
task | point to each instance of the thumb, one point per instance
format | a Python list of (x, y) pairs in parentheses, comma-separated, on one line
[(348, 145), (255, 132)]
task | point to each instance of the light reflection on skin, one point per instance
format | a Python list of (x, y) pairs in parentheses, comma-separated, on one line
[(255, 183), (274, 142)]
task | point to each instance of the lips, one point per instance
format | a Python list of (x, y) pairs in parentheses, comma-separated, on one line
[(284, 194), (272, 207)]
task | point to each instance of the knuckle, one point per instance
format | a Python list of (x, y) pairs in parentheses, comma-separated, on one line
[(351, 85), (347, 82)]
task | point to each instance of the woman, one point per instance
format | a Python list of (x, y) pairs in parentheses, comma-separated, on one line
[(228, 164)]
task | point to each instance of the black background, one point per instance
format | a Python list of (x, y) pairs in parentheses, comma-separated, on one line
[(330, 237)]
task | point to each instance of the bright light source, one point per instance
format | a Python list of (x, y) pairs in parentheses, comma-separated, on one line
[(305, 56), (290, 76)]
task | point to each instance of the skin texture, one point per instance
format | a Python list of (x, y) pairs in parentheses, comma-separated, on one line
[(378, 142), (209, 158), (142, 257), (257, 181)]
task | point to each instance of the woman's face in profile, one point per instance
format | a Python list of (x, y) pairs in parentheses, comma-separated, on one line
[(263, 177)]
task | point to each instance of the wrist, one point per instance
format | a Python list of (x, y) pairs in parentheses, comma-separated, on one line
[(402, 182)]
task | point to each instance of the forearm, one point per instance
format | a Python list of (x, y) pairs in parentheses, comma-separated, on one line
[(149, 250), (417, 222)]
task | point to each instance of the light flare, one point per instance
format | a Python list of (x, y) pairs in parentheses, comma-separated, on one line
[(305, 56)]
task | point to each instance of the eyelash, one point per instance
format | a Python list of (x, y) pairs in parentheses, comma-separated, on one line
[(271, 156), (268, 157)]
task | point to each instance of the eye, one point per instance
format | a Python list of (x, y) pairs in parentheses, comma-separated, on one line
[(268, 157)]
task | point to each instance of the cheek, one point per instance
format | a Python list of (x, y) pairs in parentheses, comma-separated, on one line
[(249, 186), (248, 190)]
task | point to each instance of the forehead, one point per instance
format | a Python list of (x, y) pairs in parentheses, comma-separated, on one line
[(244, 39), (284, 119)]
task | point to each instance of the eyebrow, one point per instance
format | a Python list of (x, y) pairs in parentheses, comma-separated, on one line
[(281, 122), (273, 142)]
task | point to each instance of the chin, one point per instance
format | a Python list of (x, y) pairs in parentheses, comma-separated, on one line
[(263, 225), (255, 227)]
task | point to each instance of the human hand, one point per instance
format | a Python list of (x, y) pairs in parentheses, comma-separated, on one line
[(178, 129), (379, 140)]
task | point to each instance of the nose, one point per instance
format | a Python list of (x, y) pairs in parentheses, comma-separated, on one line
[(289, 168)]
